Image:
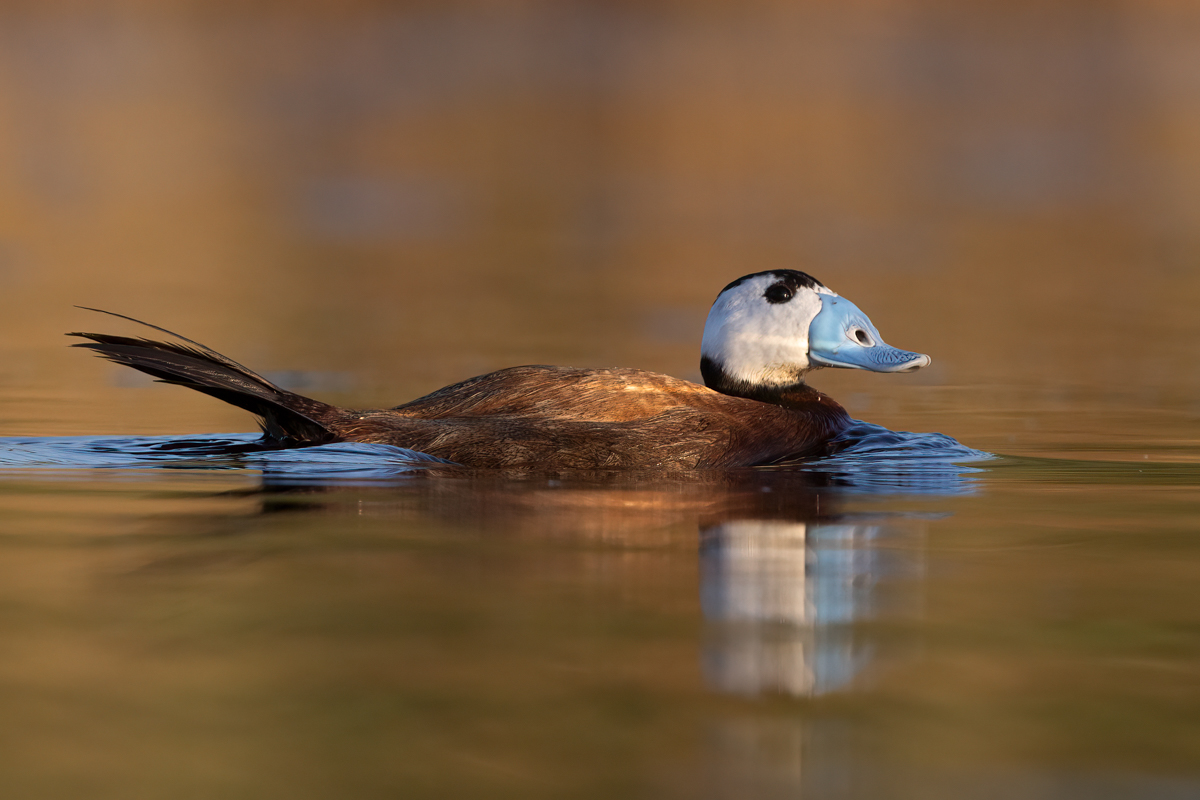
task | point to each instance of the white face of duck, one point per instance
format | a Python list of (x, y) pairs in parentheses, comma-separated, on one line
[(770, 328)]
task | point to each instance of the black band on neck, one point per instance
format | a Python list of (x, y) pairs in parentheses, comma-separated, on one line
[(717, 379)]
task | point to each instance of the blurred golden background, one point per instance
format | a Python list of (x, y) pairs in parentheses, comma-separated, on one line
[(369, 200), (381, 198)]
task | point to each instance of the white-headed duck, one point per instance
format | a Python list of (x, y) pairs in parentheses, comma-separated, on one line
[(764, 332)]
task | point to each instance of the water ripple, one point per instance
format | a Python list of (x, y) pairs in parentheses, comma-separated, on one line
[(872, 459), (869, 458)]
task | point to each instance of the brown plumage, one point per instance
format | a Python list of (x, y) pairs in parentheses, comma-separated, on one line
[(527, 417), (565, 418)]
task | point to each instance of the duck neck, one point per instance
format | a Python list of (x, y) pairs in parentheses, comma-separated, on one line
[(789, 395)]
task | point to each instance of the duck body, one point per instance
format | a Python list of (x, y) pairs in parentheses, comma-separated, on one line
[(566, 418), (755, 409)]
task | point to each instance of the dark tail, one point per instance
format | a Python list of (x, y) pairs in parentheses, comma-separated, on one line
[(284, 416)]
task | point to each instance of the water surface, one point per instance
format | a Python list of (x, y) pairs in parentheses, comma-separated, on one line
[(370, 202), (907, 619)]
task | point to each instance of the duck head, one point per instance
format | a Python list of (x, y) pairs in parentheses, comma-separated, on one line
[(766, 330)]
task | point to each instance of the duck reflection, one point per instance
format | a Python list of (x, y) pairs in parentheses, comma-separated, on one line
[(781, 599), (787, 575)]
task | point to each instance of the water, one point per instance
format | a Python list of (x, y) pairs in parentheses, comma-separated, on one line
[(909, 618), (370, 204)]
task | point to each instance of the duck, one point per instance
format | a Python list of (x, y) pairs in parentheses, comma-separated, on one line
[(764, 333)]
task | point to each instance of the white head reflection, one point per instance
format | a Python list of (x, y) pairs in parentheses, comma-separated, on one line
[(782, 598)]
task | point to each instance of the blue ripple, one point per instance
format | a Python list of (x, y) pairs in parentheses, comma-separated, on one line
[(869, 459)]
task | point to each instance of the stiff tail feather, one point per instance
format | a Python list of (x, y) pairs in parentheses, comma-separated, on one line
[(284, 416)]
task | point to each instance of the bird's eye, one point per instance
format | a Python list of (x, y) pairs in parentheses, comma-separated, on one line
[(779, 293), (862, 337)]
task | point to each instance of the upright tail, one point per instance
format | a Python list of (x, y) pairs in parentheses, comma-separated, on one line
[(285, 417)]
